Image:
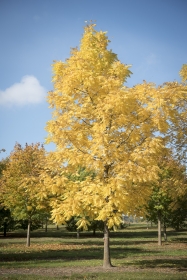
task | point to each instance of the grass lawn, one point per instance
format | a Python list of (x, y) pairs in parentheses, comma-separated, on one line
[(58, 254)]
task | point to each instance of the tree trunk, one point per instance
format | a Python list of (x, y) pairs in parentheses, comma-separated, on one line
[(165, 233), (4, 229), (106, 257), (28, 233), (159, 229), (46, 224)]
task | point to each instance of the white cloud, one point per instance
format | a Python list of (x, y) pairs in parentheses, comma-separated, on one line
[(28, 91)]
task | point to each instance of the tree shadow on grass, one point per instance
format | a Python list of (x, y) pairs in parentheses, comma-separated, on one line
[(179, 239), (97, 241), (65, 234), (177, 263), (54, 233), (73, 254), (66, 255)]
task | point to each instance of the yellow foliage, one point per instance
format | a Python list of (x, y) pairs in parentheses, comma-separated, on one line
[(107, 127), (183, 73), (21, 183)]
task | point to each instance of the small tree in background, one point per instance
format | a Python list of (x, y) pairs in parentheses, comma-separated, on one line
[(6, 220), (158, 210), (21, 183), (165, 205)]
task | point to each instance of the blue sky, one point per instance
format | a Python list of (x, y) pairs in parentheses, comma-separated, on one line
[(148, 34)]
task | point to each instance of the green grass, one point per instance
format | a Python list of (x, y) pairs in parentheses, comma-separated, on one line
[(134, 248), (103, 276)]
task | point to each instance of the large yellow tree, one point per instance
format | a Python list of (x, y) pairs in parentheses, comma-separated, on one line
[(100, 123)]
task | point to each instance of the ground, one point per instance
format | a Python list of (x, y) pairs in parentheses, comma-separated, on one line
[(68, 271)]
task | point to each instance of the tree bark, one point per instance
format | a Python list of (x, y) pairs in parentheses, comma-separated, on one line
[(46, 220), (106, 256), (159, 229), (4, 229), (165, 233), (28, 233)]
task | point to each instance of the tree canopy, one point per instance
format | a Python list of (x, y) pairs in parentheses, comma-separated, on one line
[(117, 131), (21, 182)]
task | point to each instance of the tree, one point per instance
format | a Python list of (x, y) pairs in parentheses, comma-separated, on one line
[(100, 123), (7, 223), (176, 103), (21, 183), (3, 164), (165, 204), (178, 214), (158, 210), (6, 220), (71, 225)]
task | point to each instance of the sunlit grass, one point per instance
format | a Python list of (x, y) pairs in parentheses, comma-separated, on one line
[(103, 276)]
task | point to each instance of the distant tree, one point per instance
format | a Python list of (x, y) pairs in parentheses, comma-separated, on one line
[(3, 164), (165, 204), (71, 225), (6, 220), (178, 210), (21, 184), (158, 210)]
